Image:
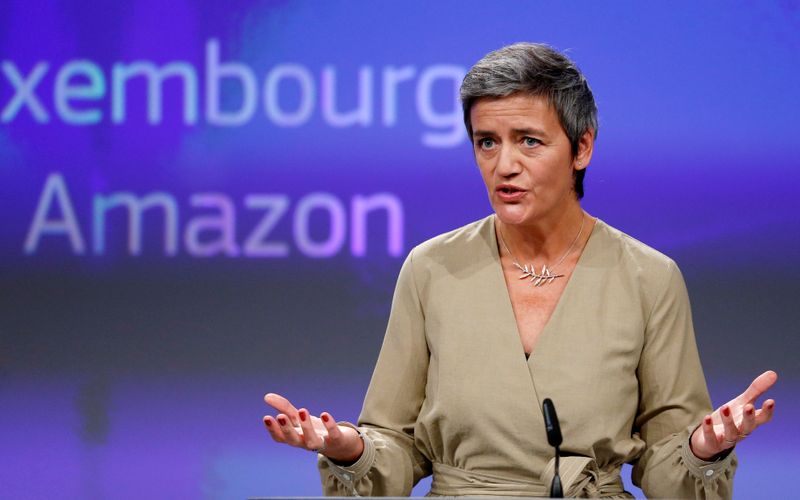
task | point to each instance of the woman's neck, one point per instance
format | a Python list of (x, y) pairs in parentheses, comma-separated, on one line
[(545, 241)]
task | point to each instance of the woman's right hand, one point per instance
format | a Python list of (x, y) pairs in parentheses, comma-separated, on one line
[(321, 434)]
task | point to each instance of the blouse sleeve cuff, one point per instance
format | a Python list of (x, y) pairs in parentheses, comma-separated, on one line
[(702, 469), (352, 473)]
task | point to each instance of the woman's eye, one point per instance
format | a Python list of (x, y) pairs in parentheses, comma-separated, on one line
[(531, 142)]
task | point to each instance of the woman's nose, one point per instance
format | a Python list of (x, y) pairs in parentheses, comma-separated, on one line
[(508, 163)]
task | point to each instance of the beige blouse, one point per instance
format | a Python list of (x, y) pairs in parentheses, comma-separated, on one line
[(452, 394)]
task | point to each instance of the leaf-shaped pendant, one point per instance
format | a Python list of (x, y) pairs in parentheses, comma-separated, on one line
[(537, 279)]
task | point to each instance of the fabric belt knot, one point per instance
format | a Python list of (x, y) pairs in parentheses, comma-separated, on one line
[(452, 481), (580, 477)]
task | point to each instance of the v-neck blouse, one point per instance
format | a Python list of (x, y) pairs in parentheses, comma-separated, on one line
[(452, 395), (564, 293)]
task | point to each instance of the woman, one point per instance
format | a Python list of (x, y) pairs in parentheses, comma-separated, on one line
[(537, 300)]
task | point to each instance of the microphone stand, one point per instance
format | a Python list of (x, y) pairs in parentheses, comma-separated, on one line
[(555, 487)]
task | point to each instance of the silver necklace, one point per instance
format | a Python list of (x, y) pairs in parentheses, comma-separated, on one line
[(546, 275)]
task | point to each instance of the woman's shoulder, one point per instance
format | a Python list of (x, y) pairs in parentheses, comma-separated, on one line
[(468, 240), (622, 255), (628, 248)]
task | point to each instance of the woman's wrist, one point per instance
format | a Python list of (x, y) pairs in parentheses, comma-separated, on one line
[(351, 449), (699, 454)]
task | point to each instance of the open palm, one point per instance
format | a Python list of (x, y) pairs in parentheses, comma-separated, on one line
[(734, 420)]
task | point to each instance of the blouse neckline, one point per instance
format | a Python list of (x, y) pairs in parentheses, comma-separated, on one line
[(563, 299)]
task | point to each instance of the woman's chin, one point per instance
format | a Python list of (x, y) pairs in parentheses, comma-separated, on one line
[(511, 215)]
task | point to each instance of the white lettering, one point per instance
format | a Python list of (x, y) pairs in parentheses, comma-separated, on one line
[(290, 94), (256, 244), (54, 189), (121, 73), (307, 95), (453, 118), (224, 223), (302, 214), (25, 94), (391, 78), (360, 209), (65, 92), (216, 72), (136, 208), (319, 223), (362, 115)]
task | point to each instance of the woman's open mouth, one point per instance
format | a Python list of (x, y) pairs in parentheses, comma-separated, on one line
[(510, 193)]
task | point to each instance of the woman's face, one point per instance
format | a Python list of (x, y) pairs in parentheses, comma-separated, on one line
[(525, 158)]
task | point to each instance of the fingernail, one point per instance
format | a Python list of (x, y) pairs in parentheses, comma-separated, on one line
[(708, 420), (325, 417), (749, 411), (268, 422), (726, 411), (302, 416), (281, 420)]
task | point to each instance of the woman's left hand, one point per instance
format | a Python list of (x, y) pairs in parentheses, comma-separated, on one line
[(735, 420)]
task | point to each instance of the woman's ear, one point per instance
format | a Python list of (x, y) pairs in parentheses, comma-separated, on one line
[(585, 149)]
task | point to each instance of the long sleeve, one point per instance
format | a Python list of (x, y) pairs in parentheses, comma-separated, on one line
[(673, 400), (391, 463)]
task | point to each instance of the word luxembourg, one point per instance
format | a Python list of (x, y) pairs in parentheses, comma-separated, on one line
[(80, 86)]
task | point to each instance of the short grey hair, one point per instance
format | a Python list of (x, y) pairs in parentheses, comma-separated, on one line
[(539, 70)]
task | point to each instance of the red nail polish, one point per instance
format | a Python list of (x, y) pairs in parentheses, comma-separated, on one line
[(726, 411), (302, 416), (281, 420), (749, 411), (708, 420), (325, 417), (268, 422)]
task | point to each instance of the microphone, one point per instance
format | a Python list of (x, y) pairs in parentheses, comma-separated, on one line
[(553, 429)]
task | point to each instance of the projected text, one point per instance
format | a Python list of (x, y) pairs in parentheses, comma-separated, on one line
[(212, 230), (288, 95)]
